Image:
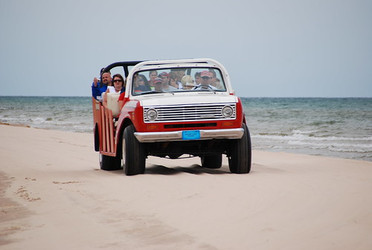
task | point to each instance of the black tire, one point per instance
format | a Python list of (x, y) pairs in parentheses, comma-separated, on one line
[(213, 161), (134, 157), (109, 163), (241, 154)]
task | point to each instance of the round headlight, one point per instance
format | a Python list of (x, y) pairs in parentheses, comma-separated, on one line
[(152, 114), (227, 111)]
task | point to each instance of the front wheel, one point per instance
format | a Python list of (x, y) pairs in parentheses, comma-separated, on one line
[(241, 154), (134, 156)]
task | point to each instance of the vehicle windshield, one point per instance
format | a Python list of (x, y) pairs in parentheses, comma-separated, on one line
[(178, 80)]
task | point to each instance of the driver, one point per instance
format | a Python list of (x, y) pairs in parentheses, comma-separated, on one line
[(206, 80)]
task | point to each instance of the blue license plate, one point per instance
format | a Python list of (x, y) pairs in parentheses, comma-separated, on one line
[(191, 135)]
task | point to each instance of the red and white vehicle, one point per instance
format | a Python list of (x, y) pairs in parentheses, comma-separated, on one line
[(200, 116)]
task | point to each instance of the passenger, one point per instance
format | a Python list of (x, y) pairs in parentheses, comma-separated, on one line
[(180, 73), (152, 75), (188, 82), (174, 82), (158, 84), (165, 77), (197, 78), (165, 82), (99, 87), (111, 96), (141, 84), (205, 84), (218, 84), (214, 81)]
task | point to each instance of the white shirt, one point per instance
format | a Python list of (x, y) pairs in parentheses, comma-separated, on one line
[(112, 89)]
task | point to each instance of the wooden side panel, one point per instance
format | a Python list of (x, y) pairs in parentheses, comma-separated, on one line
[(103, 127), (111, 131), (103, 117)]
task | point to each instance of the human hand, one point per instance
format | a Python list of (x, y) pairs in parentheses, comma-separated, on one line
[(95, 81)]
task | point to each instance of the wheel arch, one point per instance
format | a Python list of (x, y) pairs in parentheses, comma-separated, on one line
[(244, 120)]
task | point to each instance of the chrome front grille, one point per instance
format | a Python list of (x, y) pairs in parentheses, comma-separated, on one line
[(195, 112)]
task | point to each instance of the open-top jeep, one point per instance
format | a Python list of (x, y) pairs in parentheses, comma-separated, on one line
[(187, 107)]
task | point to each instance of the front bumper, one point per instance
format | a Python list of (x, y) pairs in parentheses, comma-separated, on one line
[(236, 133)]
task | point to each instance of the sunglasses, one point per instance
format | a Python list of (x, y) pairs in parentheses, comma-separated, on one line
[(117, 80)]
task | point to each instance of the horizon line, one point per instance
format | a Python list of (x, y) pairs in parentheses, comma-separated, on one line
[(238, 96)]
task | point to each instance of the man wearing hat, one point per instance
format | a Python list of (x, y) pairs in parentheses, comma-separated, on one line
[(158, 84), (206, 78)]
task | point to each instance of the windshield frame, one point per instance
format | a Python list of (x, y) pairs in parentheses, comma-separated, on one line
[(188, 80)]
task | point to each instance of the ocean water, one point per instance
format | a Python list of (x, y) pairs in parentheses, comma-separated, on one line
[(336, 127), (62, 113)]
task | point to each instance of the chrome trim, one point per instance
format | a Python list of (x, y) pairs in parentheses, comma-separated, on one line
[(235, 133)]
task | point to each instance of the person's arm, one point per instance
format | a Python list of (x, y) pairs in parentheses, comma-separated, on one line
[(95, 92), (95, 88)]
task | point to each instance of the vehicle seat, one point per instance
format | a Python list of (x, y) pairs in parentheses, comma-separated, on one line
[(112, 103)]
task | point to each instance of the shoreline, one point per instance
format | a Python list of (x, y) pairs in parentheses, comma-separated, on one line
[(52, 190), (274, 151), (14, 125)]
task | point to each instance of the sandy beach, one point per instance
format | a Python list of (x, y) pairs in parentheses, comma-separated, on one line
[(54, 196)]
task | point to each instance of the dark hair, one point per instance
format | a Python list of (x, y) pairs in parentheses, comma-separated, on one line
[(154, 70), (173, 75), (122, 80), (117, 75), (147, 85)]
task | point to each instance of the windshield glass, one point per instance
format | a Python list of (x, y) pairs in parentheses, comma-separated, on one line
[(178, 79)]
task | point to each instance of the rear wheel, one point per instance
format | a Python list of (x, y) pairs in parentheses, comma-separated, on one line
[(211, 161), (134, 157), (241, 154), (109, 163)]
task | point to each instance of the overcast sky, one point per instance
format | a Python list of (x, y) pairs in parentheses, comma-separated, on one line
[(271, 48)]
